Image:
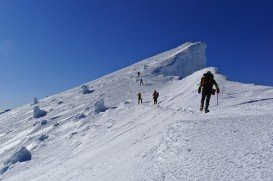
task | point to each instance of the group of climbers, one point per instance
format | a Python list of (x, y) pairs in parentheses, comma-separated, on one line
[(139, 96), (155, 97), (206, 88)]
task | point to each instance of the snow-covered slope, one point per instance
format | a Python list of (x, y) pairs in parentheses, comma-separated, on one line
[(99, 132)]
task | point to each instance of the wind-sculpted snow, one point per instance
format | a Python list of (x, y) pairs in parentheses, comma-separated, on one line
[(21, 155), (37, 112), (86, 90), (184, 63), (218, 148), (122, 140), (35, 100), (99, 106), (7, 110)]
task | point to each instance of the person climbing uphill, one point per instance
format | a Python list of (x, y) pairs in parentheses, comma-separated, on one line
[(155, 96), (139, 99), (141, 82), (206, 84)]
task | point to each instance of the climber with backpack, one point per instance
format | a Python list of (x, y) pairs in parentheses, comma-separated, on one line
[(139, 98), (206, 85), (155, 96), (141, 82)]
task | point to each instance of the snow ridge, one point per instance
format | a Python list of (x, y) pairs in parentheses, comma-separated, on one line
[(97, 131)]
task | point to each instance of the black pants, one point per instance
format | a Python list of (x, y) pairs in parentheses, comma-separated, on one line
[(205, 95), (155, 100), (139, 100)]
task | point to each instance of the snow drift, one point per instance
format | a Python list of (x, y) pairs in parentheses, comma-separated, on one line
[(185, 62)]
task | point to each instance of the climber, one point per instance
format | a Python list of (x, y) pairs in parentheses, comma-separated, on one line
[(138, 74), (155, 96), (139, 99), (141, 82), (206, 84)]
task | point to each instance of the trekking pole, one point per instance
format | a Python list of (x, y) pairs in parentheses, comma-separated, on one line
[(217, 99)]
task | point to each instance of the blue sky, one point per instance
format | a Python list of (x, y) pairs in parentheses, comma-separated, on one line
[(48, 46)]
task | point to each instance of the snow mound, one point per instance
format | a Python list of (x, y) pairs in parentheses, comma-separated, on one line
[(80, 116), (21, 155), (37, 112), (44, 122), (43, 137), (86, 90), (35, 101), (99, 106), (56, 124), (60, 102)]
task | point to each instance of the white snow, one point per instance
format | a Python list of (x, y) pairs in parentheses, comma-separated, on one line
[(127, 141), (179, 65)]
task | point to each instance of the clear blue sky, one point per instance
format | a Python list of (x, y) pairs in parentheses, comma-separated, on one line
[(48, 46)]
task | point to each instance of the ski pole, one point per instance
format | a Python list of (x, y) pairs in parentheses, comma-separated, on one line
[(217, 99)]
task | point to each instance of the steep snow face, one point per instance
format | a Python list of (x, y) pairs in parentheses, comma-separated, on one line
[(185, 62), (181, 61), (127, 141)]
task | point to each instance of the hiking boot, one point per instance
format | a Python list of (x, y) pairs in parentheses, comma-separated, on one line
[(206, 110)]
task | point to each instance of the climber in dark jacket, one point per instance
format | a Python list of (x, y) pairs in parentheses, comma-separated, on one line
[(206, 84), (155, 96), (139, 98), (141, 82)]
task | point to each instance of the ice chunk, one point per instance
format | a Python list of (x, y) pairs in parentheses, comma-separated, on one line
[(80, 116), (44, 122), (35, 101), (22, 155), (37, 112), (86, 90), (99, 106), (4, 169), (43, 137), (60, 102)]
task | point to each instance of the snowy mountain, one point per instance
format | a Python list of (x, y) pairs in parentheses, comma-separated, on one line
[(97, 131)]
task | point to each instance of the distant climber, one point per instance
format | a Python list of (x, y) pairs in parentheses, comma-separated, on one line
[(155, 96), (138, 74), (139, 99), (141, 81), (206, 84)]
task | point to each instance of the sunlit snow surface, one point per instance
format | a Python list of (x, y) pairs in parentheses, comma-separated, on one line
[(127, 141)]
